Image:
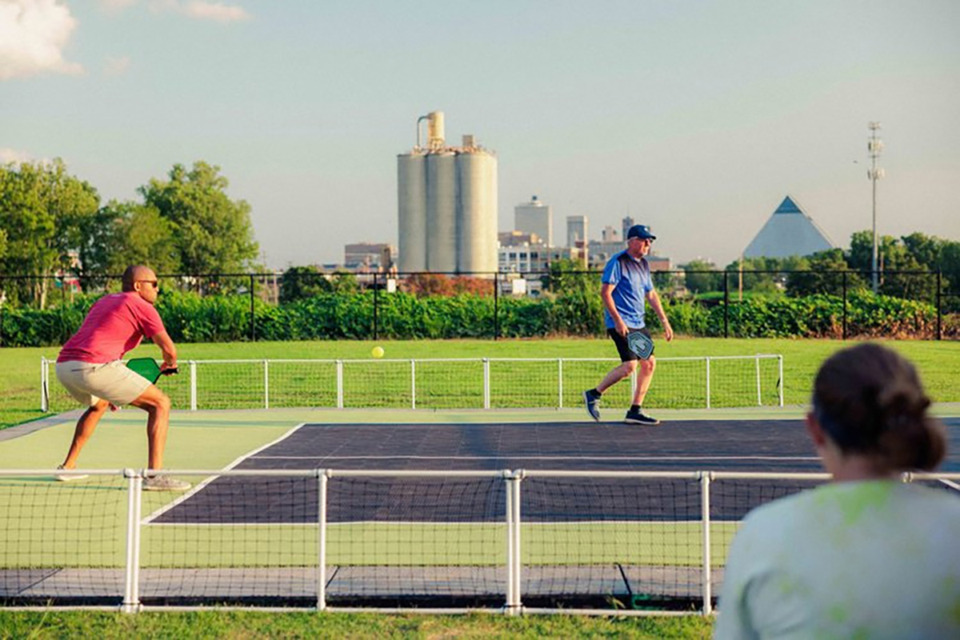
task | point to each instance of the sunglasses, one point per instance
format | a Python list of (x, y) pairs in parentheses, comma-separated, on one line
[(155, 283)]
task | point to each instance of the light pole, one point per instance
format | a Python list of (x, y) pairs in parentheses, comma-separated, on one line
[(874, 146)]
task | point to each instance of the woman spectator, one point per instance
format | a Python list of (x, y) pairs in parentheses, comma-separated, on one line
[(866, 555)]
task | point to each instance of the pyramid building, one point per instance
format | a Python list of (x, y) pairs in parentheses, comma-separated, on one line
[(788, 232)]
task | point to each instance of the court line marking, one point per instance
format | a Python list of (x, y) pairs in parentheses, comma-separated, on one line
[(950, 483), (196, 489), (515, 457)]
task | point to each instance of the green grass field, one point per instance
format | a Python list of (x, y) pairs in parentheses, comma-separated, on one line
[(937, 361), (213, 439)]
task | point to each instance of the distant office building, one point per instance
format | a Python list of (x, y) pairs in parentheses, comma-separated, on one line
[(625, 225), (369, 255), (533, 259), (577, 229), (518, 239), (535, 217), (788, 232), (609, 234), (599, 252)]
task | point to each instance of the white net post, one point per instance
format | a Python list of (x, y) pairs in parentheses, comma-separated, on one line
[(413, 384), (560, 383), (44, 386), (759, 392), (707, 359), (705, 518), (339, 384), (131, 590), (780, 377), (266, 384), (193, 385), (512, 488), (322, 540), (486, 383)]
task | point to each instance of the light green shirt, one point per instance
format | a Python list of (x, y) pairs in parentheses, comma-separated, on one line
[(873, 559)]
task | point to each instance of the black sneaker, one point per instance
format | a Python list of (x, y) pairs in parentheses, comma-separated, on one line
[(592, 402), (639, 417)]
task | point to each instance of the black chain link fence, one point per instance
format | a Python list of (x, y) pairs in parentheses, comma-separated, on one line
[(38, 310)]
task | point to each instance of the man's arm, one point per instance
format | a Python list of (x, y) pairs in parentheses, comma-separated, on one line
[(654, 301), (169, 349), (606, 292)]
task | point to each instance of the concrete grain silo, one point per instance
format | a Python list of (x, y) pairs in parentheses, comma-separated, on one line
[(412, 181), (442, 211), (447, 204)]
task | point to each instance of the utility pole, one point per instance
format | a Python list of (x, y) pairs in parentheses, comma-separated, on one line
[(874, 147)]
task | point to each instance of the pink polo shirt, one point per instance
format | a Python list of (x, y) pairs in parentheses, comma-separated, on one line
[(116, 324)]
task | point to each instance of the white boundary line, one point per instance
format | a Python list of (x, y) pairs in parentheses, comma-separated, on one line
[(197, 488), (559, 458)]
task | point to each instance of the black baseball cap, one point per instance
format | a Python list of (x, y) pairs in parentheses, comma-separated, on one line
[(641, 231)]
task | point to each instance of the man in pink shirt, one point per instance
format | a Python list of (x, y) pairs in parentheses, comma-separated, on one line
[(90, 367)]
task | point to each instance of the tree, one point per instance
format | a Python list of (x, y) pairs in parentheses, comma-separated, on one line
[(298, 283), (568, 276), (41, 208), (144, 237), (925, 249), (824, 273), (212, 233), (700, 276)]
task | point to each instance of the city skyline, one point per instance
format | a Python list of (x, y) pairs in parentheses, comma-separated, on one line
[(696, 119)]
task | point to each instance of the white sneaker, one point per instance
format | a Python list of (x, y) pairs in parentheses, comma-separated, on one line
[(63, 477), (164, 483)]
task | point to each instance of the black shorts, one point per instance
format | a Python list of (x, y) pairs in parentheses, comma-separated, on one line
[(622, 347)]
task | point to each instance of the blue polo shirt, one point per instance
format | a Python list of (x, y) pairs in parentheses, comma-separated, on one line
[(632, 282)]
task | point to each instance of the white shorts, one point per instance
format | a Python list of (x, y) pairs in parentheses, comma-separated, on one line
[(111, 381)]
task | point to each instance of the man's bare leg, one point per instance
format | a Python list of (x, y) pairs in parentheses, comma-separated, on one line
[(644, 378), (616, 375), (86, 425), (157, 405)]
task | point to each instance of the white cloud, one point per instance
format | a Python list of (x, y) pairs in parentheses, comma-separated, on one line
[(203, 10), (217, 11), (116, 5), (12, 155), (116, 66), (33, 34)]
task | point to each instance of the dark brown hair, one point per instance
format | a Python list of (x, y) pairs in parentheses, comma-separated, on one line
[(869, 400)]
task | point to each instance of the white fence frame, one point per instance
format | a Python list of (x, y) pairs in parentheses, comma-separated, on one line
[(513, 596), (45, 365)]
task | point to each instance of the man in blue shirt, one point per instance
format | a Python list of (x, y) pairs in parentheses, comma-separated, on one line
[(627, 286)]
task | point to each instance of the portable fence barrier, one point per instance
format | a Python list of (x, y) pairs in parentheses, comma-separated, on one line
[(636, 543), (451, 383)]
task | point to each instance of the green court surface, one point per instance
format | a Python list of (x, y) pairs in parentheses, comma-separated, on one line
[(214, 440)]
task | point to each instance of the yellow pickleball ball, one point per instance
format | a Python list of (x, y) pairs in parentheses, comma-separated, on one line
[(377, 352)]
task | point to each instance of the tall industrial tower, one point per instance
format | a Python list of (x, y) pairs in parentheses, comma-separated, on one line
[(447, 199), (535, 217)]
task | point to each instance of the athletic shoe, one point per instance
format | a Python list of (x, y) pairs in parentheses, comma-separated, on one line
[(639, 417), (164, 483), (592, 402), (63, 477)]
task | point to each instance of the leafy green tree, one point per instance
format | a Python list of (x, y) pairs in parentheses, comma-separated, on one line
[(824, 273), (41, 207), (568, 276), (344, 282), (298, 283), (925, 249), (701, 276), (212, 233), (143, 237)]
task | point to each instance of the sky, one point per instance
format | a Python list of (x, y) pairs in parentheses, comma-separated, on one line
[(694, 117)]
